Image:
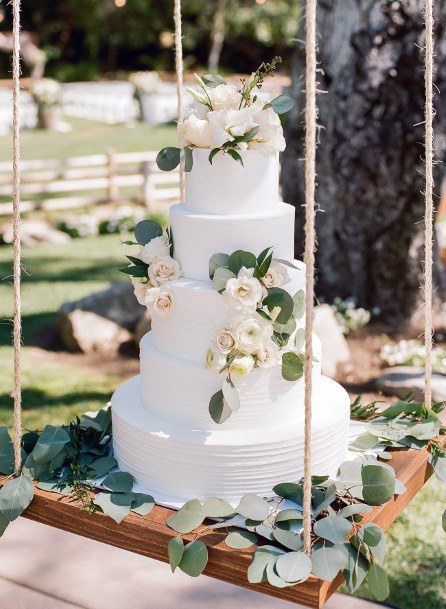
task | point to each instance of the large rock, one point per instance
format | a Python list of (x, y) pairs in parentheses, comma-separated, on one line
[(89, 333), (142, 327), (399, 380), (36, 231), (336, 358), (101, 321)]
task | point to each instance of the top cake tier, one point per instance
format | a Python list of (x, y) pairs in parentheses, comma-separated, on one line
[(228, 188)]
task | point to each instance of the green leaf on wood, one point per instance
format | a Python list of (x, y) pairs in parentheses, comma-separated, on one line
[(328, 560), (49, 444), (115, 505), (333, 528), (120, 482), (6, 452), (195, 558), (241, 540), (378, 582), (294, 567), (254, 507), (175, 551), (102, 466), (378, 484), (15, 497), (142, 504), (262, 556), (288, 539), (217, 508), (188, 518)]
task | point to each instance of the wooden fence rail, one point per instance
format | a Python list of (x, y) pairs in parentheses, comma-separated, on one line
[(43, 180)]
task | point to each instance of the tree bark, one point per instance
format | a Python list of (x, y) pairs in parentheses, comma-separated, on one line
[(370, 157), (217, 36)]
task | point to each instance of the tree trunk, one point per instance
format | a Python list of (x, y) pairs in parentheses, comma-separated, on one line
[(217, 36), (370, 157)]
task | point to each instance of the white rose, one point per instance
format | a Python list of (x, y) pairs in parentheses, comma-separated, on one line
[(160, 301), (228, 124), (269, 139), (140, 289), (276, 275), (242, 365), (225, 341), (225, 97), (243, 293), (251, 333), (195, 131), (164, 269), (268, 355), (155, 248), (215, 360)]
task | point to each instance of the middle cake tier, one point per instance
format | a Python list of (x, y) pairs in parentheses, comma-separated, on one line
[(179, 391)]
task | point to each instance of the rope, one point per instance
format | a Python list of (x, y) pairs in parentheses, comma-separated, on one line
[(310, 246), (17, 333), (429, 206), (179, 70)]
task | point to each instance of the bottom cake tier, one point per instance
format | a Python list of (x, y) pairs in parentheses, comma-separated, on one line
[(177, 464)]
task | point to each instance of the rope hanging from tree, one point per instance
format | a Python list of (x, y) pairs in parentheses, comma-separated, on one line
[(17, 332), (179, 70), (429, 205)]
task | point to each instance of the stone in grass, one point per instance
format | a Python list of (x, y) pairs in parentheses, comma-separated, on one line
[(336, 358), (89, 333), (399, 380)]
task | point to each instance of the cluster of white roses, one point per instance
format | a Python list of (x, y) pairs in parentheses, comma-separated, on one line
[(220, 119), (46, 92), (153, 291), (247, 341)]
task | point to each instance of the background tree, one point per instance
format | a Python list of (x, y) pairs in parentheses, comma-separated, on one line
[(370, 165)]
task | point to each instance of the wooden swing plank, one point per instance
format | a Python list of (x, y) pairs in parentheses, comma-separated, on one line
[(150, 535)]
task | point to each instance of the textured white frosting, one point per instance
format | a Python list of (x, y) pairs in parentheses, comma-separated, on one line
[(171, 459), (200, 312), (196, 237), (225, 187), (179, 392)]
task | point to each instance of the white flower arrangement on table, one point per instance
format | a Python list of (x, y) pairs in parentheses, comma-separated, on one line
[(145, 82), (153, 268), (46, 92), (260, 333), (229, 120)]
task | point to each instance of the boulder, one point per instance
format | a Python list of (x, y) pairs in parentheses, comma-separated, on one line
[(399, 380), (87, 332), (36, 231), (117, 303), (336, 357), (142, 327)]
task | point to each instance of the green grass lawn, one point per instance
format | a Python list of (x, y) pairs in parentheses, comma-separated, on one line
[(55, 389), (89, 137)]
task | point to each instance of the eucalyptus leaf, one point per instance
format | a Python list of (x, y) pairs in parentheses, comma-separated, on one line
[(402, 407), (299, 339), (35, 470), (294, 567), (443, 521), (240, 259), (287, 263), (292, 366), (115, 505), (281, 104), (288, 539), (217, 508), (146, 230), (230, 395), (354, 509), (289, 514), (56, 485), (120, 482), (194, 559), (364, 441), (253, 507), (218, 408), (290, 490), (102, 466), (221, 277), (378, 484), (6, 452), (372, 536), (15, 497), (175, 551), (142, 504), (333, 528), (4, 522), (49, 444), (168, 159), (327, 560), (378, 582), (277, 297), (188, 518), (356, 568), (213, 80), (319, 505), (262, 556), (273, 577), (188, 159), (299, 304), (241, 540), (56, 464), (217, 261)]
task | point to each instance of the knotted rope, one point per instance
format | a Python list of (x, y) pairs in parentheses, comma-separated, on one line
[(17, 332), (310, 246), (429, 205), (179, 69)]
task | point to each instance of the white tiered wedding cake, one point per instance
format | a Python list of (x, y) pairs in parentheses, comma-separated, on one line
[(176, 428)]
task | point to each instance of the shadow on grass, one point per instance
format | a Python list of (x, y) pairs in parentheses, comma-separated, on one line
[(45, 268), (33, 398), (38, 330)]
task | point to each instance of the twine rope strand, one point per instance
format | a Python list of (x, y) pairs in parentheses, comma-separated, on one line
[(310, 246), (179, 70), (429, 206), (17, 331)]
